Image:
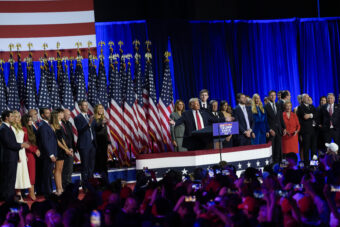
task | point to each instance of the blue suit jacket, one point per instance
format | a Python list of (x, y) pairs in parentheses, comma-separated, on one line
[(84, 133), (239, 116), (47, 140), (9, 146)]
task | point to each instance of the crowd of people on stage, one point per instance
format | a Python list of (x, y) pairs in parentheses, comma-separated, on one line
[(286, 195), (32, 150), (304, 128)]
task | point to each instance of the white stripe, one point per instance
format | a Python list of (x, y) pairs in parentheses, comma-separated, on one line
[(208, 159), (66, 42), (74, 17)]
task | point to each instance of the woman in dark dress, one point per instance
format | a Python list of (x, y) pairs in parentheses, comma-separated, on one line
[(102, 141), (63, 151)]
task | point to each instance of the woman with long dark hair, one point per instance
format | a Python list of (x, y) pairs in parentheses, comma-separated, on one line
[(32, 152)]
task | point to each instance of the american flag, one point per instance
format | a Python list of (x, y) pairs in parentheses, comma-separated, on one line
[(13, 94), (123, 76), (54, 90), (138, 105), (31, 87), (66, 95), (92, 84), (44, 100), (47, 22), (150, 102), (72, 77), (166, 103), (115, 110), (130, 121), (102, 83), (3, 100), (102, 97), (67, 100), (80, 91), (21, 85), (80, 87)]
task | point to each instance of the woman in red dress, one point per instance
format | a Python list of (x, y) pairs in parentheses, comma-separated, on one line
[(31, 152), (290, 140)]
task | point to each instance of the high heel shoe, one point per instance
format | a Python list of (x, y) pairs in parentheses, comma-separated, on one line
[(32, 198)]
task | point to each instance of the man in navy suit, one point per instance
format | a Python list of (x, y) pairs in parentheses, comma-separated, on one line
[(9, 156), (86, 142), (47, 143), (244, 116), (194, 119)]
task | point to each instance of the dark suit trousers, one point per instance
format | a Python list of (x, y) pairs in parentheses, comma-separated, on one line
[(9, 173), (277, 147), (67, 171), (309, 143), (47, 168), (243, 140), (87, 158), (330, 134)]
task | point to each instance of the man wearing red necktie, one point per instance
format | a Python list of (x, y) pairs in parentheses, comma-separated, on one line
[(194, 119)]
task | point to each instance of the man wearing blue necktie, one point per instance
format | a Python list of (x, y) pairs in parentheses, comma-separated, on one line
[(86, 142)]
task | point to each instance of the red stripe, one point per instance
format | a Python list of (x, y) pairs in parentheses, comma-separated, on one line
[(50, 30), (45, 6), (51, 53)]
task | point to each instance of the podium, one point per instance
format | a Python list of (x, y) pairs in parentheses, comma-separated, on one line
[(212, 136), (222, 130)]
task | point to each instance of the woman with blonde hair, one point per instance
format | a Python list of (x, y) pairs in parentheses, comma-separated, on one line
[(102, 141), (63, 150), (261, 128), (177, 132), (22, 180)]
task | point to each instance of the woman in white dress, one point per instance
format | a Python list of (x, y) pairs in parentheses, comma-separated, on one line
[(22, 180)]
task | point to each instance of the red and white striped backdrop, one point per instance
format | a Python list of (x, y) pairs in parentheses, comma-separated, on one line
[(50, 21)]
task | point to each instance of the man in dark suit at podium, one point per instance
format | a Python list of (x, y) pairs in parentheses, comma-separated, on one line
[(194, 119), (86, 142), (9, 156), (244, 116)]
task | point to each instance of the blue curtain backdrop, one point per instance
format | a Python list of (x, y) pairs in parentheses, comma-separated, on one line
[(226, 57)]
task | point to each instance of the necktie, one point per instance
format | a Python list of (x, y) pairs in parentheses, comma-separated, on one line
[(330, 114), (199, 125), (62, 125), (246, 116), (88, 120), (274, 108)]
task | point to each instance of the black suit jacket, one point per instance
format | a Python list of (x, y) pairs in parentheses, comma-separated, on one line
[(275, 121), (239, 116), (208, 108), (69, 138), (9, 146), (47, 140), (306, 125), (188, 120), (84, 132), (325, 119)]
